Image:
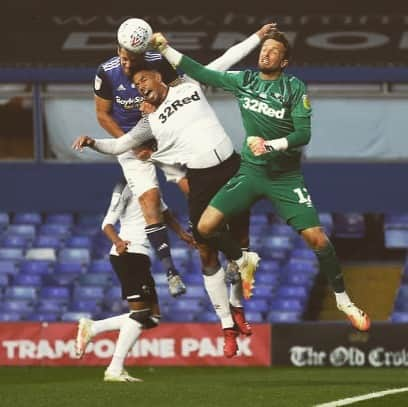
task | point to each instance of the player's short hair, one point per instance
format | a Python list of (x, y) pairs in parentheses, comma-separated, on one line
[(145, 66), (151, 144), (280, 37)]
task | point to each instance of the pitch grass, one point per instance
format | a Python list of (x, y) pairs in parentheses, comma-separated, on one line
[(196, 387)]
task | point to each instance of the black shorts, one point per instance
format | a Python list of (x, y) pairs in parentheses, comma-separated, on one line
[(133, 270), (204, 184)]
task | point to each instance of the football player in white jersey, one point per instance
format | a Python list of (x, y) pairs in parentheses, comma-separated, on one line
[(129, 256)]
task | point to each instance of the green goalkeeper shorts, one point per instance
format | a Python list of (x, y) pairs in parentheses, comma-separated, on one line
[(286, 191)]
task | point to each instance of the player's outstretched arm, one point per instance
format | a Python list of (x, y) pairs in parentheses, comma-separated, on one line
[(174, 224)]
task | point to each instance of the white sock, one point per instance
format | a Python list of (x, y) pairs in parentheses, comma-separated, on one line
[(342, 298), (108, 324), (128, 334), (218, 293), (236, 294)]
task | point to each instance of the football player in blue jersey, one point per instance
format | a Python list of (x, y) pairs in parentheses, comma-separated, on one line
[(117, 104)]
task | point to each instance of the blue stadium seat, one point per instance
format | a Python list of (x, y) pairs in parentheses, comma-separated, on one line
[(162, 291), (11, 254), (269, 266), (399, 317), (278, 254), (277, 242), (90, 219), (305, 280), (59, 218), (113, 293), (61, 279), (326, 220), (28, 231), (303, 254), (102, 279), (257, 305), (281, 230), (187, 304), (86, 230), (8, 267), (69, 267), (34, 280), (100, 266), (263, 291), (84, 242), (266, 279), (4, 281), (23, 292), (301, 266), (291, 291), (55, 292), (41, 253), (396, 238), (185, 316), (207, 316), (74, 255), (196, 291), (54, 305), (16, 241), (86, 306), (192, 278), (292, 305), (10, 316), (254, 316), (43, 316), (41, 267), (4, 220), (72, 316), (283, 316), (58, 230), (28, 218), (88, 293), (23, 307), (54, 242)]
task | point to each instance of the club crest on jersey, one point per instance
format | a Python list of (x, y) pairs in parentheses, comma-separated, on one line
[(306, 102), (174, 106)]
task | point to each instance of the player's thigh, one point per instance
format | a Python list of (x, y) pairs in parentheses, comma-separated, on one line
[(292, 201), (133, 271), (140, 175), (236, 196)]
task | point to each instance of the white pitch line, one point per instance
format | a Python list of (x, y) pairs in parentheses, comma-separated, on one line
[(351, 400)]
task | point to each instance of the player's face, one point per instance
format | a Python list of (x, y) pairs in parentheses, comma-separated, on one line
[(272, 57), (143, 153), (129, 60), (150, 86)]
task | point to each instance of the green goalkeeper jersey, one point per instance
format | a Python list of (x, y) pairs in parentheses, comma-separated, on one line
[(270, 109)]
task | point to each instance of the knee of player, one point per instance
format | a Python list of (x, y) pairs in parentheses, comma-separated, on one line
[(317, 241), (146, 318)]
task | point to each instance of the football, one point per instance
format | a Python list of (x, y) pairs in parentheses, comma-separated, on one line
[(134, 35)]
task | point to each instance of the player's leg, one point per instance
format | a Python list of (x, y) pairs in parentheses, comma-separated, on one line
[(142, 180), (139, 289), (294, 204)]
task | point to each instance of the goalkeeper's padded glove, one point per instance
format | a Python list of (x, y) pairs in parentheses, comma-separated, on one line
[(260, 146)]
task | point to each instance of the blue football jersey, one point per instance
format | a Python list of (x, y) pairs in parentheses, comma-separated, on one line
[(113, 84)]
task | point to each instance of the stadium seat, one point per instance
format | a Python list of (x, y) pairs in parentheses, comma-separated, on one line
[(396, 238), (102, 279), (86, 306), (28, 231), (34, 280), (88, 293), (348, 225), (59, 230), (43, 241), (326, 220), (263, 291), (303, 254), (269, 266), (9, 316), (28, 218), (257, 305), (8, 267), (84, 242), (11, 254), (69, 267), (90, 219), (192, 278), (100, 266), (266, 279), (43, 316), (23, 292), (301, 266), (86, 230), (74, 255), (254, 316), (41, 254), (51, 305), (281, 304), (72, 316), (16, 241), (283, 316), (41, 267), (399, 317), (291, 291), (113, 293), (196, 291), (4, 281), (185, 316), (55, 292), (305, 280), (59, 218), (23, 307), (277, 243), (4, 220), (186, 304), (207, 316)]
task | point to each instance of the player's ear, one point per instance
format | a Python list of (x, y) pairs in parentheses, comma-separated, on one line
[(158, 76), (284, 63)]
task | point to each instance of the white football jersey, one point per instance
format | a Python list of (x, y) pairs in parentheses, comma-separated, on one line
[(187, 130), (125, 208)]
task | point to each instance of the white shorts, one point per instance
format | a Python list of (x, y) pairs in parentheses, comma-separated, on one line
[(140, 175)]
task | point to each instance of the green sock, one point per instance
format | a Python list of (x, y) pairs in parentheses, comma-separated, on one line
[(329, 265), (224, 242)]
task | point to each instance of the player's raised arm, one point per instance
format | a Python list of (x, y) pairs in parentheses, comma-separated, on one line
[(192, 68), (133, 138)]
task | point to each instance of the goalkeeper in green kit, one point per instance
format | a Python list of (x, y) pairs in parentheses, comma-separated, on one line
[(276, 114)]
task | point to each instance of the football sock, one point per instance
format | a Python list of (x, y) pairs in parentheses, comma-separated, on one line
[(224, 242), (329, 265), (159, 240), (218, 293), (128, 334), (108, 324), (236, 294), (342, 298)]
